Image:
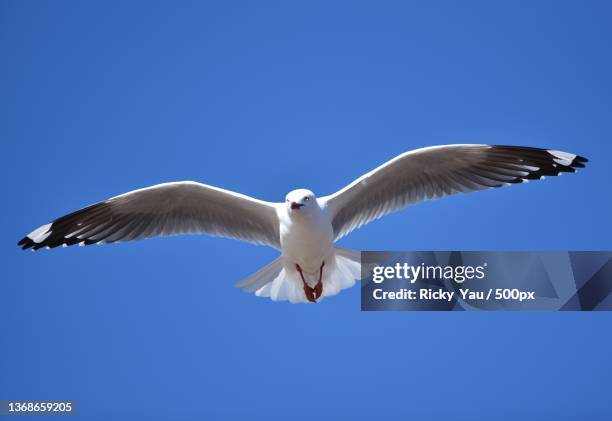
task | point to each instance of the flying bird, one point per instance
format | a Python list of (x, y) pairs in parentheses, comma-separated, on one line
[(305, 227)]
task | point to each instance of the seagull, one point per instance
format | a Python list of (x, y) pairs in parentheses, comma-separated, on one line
[(305, 227)]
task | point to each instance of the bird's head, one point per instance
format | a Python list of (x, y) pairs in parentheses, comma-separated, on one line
[(300, 200)]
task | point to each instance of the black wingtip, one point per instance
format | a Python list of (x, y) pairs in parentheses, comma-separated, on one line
[(579, 162), (26, 243), (547, 162)]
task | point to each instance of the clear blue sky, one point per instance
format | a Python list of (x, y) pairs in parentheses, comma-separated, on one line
[(99, 98)]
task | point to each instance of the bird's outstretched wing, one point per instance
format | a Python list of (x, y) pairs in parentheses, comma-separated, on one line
[(161, 210), (440, 171)]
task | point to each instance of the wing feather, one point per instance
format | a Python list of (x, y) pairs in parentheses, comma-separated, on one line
[(440, 171), (165, 209)]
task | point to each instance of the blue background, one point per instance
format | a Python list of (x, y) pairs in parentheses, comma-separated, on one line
[(261, 97)]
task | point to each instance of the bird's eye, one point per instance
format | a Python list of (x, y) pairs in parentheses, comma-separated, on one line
[(306, 199)]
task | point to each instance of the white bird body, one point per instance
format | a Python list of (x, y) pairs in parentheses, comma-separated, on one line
[(304, 228), (307, 245), (306, 238)]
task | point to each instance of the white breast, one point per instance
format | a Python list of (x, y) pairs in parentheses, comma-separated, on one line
[(306, 238)]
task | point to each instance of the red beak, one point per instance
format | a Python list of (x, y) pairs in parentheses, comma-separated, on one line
[(295, 205)]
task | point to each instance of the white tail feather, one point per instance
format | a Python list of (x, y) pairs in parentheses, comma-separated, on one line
[(281, 281), (262, 276)]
